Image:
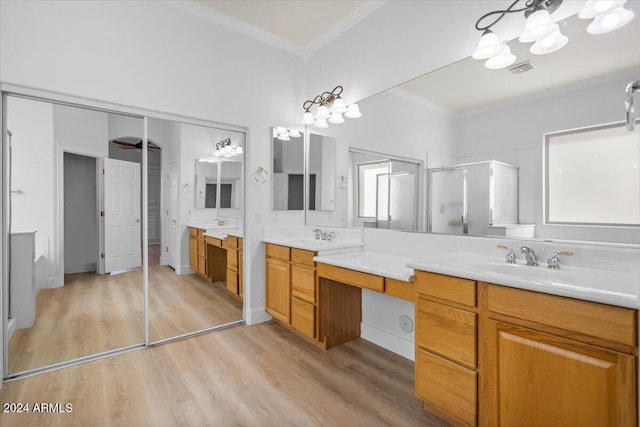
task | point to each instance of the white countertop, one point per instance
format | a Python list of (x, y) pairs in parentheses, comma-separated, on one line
[(222, 235), (613, 287), (314, 244), (379, 264)]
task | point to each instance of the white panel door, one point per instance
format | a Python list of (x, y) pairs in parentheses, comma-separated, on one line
[(172, 214), (121, 215)]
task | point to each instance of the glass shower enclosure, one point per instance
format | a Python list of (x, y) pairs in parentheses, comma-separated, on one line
[(467, 198)]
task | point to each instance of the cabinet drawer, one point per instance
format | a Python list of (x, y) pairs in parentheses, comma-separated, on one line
[(400, 289), (303, 317), (447, 331), (230, 242), (303, 283), (603, 321), (351, 277), (193, 232), (213, 241), (232, 259), (232, 282), (277, 251), (462, 291), (300, 256), (447, 387)]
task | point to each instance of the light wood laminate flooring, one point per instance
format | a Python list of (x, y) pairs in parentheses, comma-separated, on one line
[(263, 375), (91, 314)]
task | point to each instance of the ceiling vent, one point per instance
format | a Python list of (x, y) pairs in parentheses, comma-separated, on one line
[(521, 67)]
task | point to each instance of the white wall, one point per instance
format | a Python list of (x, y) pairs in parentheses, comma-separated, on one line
[(514, 133), (152, 56)]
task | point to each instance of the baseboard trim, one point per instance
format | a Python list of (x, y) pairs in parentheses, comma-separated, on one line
[(388, 340), (184, 269), (253, 317)]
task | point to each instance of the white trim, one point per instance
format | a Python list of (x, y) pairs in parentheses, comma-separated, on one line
[(388, 340), (264, 36), (403, 93), (258, 315), (235, 24), (343, 25)]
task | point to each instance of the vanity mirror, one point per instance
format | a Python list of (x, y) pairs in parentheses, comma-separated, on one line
[(465, 113), (321, 175), (288, 170), (206, 184)]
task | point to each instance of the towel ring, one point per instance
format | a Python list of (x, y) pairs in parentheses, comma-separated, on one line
[(260, 176)]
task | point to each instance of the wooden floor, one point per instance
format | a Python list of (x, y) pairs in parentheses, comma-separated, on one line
[(92, 314), (261, 375)]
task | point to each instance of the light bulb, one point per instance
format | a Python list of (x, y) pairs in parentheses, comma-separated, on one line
[(322, 113), (353, 111), (239, 150), (594, 8), (538, 25), (610, 21), (501, 60), (284, 137), (338, 106), (321, 124), (308, 119), (550, 43), (217, 153), (294, 133), (336, 119), (488, 46)]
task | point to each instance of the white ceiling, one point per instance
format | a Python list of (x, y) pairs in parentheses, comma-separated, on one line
[(468, 85), (303, 26)]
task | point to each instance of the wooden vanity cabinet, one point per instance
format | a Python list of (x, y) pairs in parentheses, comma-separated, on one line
[(233, 246), (291, 291), (446, 356), (493, 355), (197, 251), (558, 361)]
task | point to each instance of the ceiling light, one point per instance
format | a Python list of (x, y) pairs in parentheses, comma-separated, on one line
[(225, 149), (594, 8), (539, 28), (284, 137), (549, 44), (501, 60), (294, 133), (321, 123), (610, 21), (330, 106), (336, 118), (353, 112)]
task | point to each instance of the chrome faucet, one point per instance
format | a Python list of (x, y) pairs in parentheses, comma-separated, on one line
[(220, 221), (318, 233), (532, 259), (329, 235), (510, 256), (554, 262)]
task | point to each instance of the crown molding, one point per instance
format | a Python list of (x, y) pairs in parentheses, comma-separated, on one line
[(343, 25), (197, 9), (227, 21)]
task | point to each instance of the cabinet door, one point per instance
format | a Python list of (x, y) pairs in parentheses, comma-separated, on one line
[(193, 252), (544, 380), (232, 282), (278, 290)]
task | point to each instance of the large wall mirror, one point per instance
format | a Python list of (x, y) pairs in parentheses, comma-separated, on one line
[(465, 114), (78, 220), (321, 173), (288, 170)]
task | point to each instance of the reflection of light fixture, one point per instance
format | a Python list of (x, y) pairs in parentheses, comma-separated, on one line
[(607, 15), (331, 108), (225, 149), (539, 29), (284, 134)]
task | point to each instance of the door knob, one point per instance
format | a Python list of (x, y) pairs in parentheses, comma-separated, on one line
[(137, 220)]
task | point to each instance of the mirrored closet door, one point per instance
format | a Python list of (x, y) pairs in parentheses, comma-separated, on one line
[(75, 283), (196, 248)]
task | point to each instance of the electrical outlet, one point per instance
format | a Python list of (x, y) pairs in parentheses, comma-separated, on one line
[(275, 217), (259, 217)]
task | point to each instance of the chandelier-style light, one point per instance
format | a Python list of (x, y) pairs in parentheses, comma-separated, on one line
[(607, 15), (225, 149), (284, 134), (331, 109)]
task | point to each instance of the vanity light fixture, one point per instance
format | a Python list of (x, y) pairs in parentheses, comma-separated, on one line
[(331, 109), (284, 134), (225, 149), (607, 15)]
